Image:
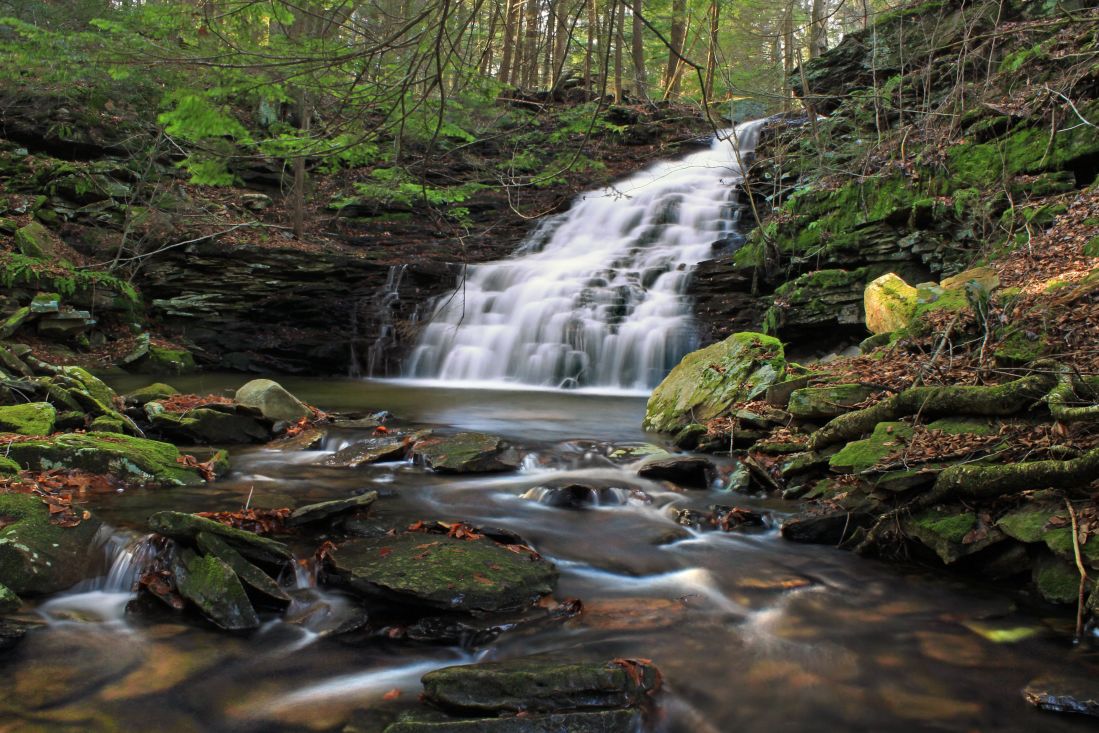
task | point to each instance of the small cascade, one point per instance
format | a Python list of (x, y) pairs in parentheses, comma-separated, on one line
[(383, 307), (595, 296)]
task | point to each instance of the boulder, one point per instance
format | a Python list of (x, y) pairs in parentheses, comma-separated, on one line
[(206, 425), (38, 557), (706, 383), (214, 588), (890, 303), (443, 572), (691, 471), (250, 575), (150, 358), (150, 393), (272, 400), (466, 453), (951, 533), (328, 509), (33, 418), (127, 458), (35, 240), (538, 684), (185, 528)]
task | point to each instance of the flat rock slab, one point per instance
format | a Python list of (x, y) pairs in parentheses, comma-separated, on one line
[(214, 588), (377, 450), (443, 572), (689, 471), (466, 453), (599, 721), (327, 509), (1064, 695), (182, 526), (541, 685)]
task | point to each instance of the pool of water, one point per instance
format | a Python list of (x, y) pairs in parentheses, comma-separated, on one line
[(751, 633)]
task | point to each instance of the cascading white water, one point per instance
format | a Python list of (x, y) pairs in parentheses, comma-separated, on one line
[(595, 296)]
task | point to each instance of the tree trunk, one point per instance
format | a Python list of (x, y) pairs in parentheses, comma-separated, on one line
[(818, 41), (639, 53), (619, 42), (711, 55), (516, 76), (675, 43), (530, 51), (504, 72), (788, 55), (589, 53)]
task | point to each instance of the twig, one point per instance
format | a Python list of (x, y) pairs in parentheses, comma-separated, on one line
[(1083, 572)]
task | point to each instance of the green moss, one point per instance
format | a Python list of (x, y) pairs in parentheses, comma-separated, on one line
[(1091, 249), (151, 393), (34, 418), (1026, 524), (104, 424), (9, 601), (8, 467), (37, 556), (827, 402), (1057, 580), (707, 382), (952, 528), (122, 456), (962, 426), (1017, 349), (33, 240), (860, 455)]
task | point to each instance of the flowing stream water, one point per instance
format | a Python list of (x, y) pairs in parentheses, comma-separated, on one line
[(595, 296), (752, 633)]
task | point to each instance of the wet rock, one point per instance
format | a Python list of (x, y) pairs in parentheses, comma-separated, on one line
[(598, 721), (12, 632), (536, 684), (627, 453), (208, 425), (36, 556), (578, 496), (308, 439), (831, 528), (466, 453), (689, 437), (691, 471), (271, 399), (1057, 580), (151, 393), (1061, 694), (214, 588), (814, 403), (33, 418), (443, 572), (328, 509), (125, 457), (951, 533), (725, 518), (248, 573), (707, 382), (9, 602), (377, 450), (185, 527)]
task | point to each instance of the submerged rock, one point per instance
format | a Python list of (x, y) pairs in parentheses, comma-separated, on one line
[(692, 471), (12, 632), (214, 588), (596, 721), (33, 418), (541, 685), (466, 453), (185, 527), (127, 458), (444, 572), (272, 400), (39, 557), (579, 496), (1064, 695), (707, 382)]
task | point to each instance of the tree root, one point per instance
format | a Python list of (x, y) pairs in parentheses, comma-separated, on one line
[(1068, 392), (989, 482), (996, 401)]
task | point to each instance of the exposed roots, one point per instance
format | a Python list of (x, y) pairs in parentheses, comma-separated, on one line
[(988, 482), (1065, 400), (996, 401)]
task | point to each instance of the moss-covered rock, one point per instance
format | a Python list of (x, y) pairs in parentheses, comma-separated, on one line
[(208, 426), (8, 467), (150, 393), (272, 400), (466, 453), (36, 556), (33, 418), (127, 458), (184, 527), (104, 424), (155, 359), (214, 588), (987, 278), (1057, 579), (953, 533), (15, 321), (707, 382), (889, 303), (34, 240), (251, 576), (538, 684), (442, 572), (860, 455), (9, 601), (813, 403)]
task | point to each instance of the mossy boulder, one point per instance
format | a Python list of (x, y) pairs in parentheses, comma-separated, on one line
[(861, 455), (38, 557), (33, 418), (706, 383), (889, 303), (35, 240), (1057, 579), (272, 400), (442, 572), (814, 403), (185, 528), (466, 453), (251, 576), (214, 588), (539, 684), (135, 460), (150, 393), (163, 360)]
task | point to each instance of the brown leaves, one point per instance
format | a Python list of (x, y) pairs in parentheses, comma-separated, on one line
[(635, 670), (59, 489), (206, 469), (188, 402), (260, 521)]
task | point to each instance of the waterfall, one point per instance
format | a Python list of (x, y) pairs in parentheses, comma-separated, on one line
[(595, 296)]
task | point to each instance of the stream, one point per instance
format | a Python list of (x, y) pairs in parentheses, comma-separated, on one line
[(751, 632)]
